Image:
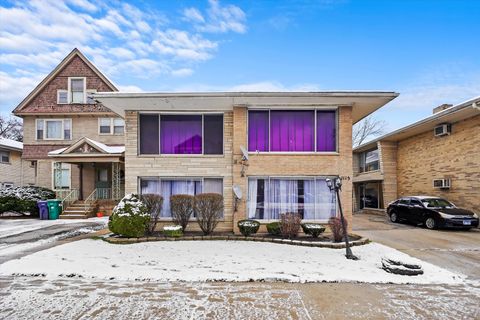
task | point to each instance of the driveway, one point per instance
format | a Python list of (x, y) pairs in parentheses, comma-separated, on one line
[(454, 250), (20, 237)]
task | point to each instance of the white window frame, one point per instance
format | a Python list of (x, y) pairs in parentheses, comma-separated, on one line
[(170, 178), (58, 96), (53, 176), (314, 178), (70, 90), (112, 127), (2, 152), (45, 129), (315, 109)]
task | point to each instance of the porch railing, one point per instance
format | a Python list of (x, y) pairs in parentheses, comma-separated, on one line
[(104, 193), (70, 198), (62, 194), (89, 201)]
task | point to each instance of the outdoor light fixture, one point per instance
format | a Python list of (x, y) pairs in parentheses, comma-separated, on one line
[(336, 184)]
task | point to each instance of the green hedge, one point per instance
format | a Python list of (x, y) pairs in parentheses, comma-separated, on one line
[(23, 199), (313, 229), (273, 228), (248, 227), (130, 218)]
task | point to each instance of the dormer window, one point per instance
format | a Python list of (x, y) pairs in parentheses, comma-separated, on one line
[(77, 90)]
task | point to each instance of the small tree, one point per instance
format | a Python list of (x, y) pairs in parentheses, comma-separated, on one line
[(290, 224), (153, 203), (129, 217), (368, 127), (181, 206), (11, 128), (209, 209), (335, 224)]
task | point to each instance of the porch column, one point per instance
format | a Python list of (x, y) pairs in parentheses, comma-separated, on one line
[(115, 180), (80, 191)]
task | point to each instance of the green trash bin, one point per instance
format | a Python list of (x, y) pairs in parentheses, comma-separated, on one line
[(54, 209)]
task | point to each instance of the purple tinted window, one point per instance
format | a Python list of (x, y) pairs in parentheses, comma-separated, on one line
[(326, 131), (149, 134), (292, 130), (258, 131), (213, 134), (181, 134)]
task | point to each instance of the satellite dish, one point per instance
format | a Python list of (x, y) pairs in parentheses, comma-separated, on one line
[(237, 191), (245, 153)]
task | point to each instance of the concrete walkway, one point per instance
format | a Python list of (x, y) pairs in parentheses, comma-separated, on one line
[(454, 250)]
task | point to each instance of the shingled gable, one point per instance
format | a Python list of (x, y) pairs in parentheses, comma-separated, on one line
[(74, 61)]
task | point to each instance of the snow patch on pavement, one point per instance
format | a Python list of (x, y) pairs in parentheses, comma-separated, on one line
[(220, 261)]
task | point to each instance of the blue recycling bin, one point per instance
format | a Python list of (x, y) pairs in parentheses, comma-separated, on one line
[(43, 209)]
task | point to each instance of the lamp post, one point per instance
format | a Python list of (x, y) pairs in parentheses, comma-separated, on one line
[(336, 185)]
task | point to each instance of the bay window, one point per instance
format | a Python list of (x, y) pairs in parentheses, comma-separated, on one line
[(54, 129), (292, 130), (167, 187), (269, 197), (181, 134)]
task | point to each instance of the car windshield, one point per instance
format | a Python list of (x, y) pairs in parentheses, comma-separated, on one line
[(437, 203)]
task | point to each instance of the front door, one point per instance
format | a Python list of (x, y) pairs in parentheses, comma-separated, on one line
[(102, 183)]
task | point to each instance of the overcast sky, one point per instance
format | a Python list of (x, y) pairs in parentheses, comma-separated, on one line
[(428, 51)]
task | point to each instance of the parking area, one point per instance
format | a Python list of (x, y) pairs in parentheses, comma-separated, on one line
[(451, 249)]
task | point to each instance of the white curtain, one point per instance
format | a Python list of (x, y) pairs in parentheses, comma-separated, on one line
[(252, 198), (54, 129), (326, 204), (283, 197), (211, 185), (150, 186), (309, 199)]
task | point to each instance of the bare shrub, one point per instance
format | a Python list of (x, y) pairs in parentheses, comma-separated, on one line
[(153, 203), (335, 224), (181, 206), (209, 209), (290, 224)]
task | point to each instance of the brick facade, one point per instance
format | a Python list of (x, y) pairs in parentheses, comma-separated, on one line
[(425, 157), (18, 171)]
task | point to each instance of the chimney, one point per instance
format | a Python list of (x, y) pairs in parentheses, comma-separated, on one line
[(442, 107)]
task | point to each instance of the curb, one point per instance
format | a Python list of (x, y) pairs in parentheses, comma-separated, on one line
[(330, 245)]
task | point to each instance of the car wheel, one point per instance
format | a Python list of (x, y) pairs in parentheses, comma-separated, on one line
[(430, 223), (393, 217)]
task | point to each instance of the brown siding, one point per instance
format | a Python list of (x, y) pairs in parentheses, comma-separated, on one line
[(46, 99), (424, 157)]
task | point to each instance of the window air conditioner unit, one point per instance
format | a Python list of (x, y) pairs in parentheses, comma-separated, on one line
[(442, 130), (441, 183)]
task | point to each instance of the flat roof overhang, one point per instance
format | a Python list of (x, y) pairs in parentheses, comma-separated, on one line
[(462, 111), (363, 102)]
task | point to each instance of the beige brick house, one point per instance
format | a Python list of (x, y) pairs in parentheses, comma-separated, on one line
[(277, 148), (437, 156), (14, 171), (74, 144)]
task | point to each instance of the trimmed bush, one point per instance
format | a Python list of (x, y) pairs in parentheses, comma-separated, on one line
[(130, 218), (273, 228), (23, 199), (153, 204), (209, 209), (181, 206), (313, 229), (290, 224), (173, 231), (248, 227), (335, 224)]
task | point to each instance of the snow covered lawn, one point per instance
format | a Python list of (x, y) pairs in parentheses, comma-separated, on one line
[(10, 227), (219, 261)]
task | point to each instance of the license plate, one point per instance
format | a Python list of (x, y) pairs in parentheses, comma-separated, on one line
[(467, 222)]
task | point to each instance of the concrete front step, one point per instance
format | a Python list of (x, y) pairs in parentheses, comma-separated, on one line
[(73, 216)]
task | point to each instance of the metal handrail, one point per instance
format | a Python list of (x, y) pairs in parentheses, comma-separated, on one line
[(70, 198), (90, 200)]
